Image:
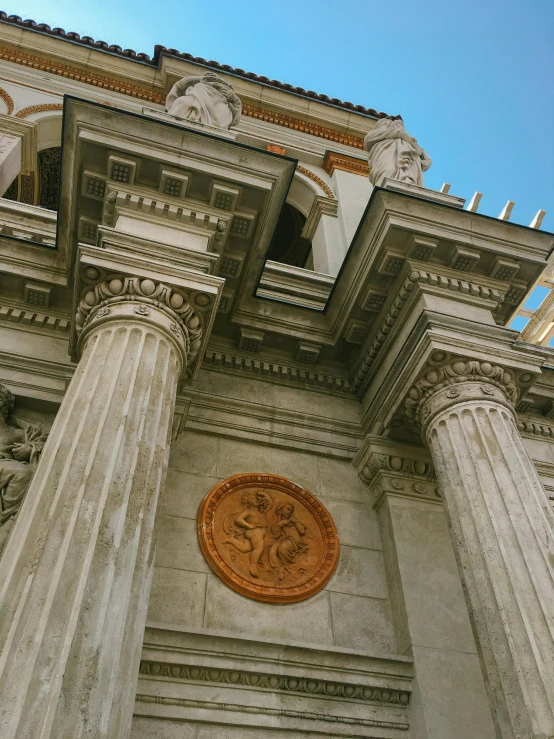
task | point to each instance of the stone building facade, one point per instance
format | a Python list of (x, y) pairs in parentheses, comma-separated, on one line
[(203, 295)]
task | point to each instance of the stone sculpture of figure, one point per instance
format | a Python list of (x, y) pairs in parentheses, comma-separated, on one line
[(249, 526), (204, 99), (20, 446), (394, 154)]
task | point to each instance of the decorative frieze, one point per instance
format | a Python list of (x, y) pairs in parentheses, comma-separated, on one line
[(282, 683)]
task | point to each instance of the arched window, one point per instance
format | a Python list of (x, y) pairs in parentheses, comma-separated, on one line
[(288, 246)]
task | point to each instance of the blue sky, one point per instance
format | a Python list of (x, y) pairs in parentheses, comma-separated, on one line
[(473, 81)]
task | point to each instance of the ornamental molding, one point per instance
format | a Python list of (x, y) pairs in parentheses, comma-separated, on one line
[(345, 163), (270, 681), (100, 297), (279, 712), (277, 370), (415, 277), (152, 96), (391, 468), (35, 318), (79, 75), (312, 176), (297, 124), (535, 427), (286, 428), (478, 378), (7, 98), (376, 462), (24, 112)]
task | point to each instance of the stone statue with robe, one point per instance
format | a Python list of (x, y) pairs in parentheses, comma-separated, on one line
[(204, 99), (394, 154), (21, 444)]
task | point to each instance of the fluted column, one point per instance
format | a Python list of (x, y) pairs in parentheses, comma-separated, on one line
[(75, 575), (502, 529)]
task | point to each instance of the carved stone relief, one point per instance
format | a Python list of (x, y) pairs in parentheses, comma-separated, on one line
[(268, 538), (21, 444)]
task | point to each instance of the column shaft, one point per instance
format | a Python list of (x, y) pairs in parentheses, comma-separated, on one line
[(502, 529), (76, 572)]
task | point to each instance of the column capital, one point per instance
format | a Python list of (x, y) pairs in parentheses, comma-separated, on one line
[(461, 380), (114, 283), (122, 298), (391, 468)]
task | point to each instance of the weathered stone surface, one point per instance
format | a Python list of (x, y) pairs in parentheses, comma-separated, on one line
[(503, 533), (84, 539)]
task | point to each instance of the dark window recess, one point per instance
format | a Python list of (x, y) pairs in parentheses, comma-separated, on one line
[(287, 245), (11, 192), (49, 171)]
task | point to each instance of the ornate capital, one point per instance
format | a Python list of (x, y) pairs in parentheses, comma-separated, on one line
[(390, 467), (376, 462), (460, 380), (135, 298)]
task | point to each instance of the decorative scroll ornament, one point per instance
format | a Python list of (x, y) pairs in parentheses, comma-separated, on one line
[(147, 294), (205, 99), (268, 538), (461, 379)]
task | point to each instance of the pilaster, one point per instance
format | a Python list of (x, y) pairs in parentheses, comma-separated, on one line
[(431, 621), (18, 149)]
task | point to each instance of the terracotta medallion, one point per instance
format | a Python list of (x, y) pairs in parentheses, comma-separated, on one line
[(268, 538)]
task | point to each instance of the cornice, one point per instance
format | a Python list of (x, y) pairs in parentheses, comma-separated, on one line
[(102, 81), (529, 426), (297, 124), (161, 51), (413, 278), (37, 319), (278, 712), (229, 359), (15, 56), (345, 163), (257, 421)]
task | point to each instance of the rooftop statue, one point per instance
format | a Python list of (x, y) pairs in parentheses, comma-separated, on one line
[(204, 99), (394, 154), (20, 446)]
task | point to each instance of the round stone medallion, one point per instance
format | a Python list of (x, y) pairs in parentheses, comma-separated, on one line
[(268, 538)]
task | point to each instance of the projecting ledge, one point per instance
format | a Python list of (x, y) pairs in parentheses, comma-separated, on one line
[(211, 676)]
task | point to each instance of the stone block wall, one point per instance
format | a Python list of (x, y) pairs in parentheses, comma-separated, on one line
[(353, 610)]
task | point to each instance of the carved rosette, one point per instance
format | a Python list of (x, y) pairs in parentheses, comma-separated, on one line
[(458, 381), (268, 538), (134, 298)]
